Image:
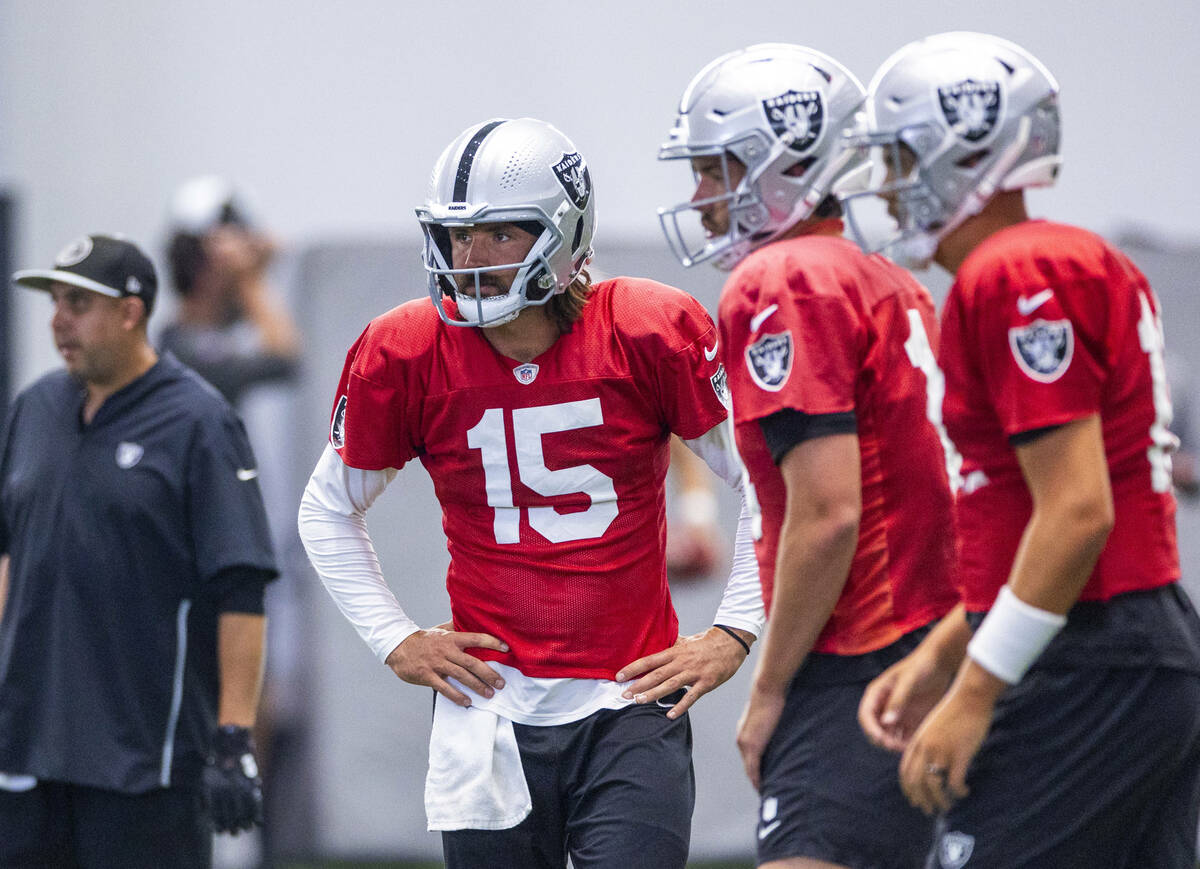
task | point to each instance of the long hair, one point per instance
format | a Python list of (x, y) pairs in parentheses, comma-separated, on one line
[(567, 307)]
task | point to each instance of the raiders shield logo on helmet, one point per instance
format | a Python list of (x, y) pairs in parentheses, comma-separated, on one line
[(1043, 349), (796, 115), (573, 175), (971, 107), (954, 850), (770, 360), (337, 429)]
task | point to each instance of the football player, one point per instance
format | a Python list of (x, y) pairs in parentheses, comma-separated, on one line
[(829, 355), (541, 404), (1070, 734)]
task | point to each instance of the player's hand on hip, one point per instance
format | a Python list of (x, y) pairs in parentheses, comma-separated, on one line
[(756, 727), (232, 785), (432, 656), (700, 663), (933, 770), (899, 698)]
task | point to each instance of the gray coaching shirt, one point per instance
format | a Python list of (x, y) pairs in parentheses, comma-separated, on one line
[(116, 531)]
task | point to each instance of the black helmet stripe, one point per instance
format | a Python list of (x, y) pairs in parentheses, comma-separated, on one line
[(468, 158)]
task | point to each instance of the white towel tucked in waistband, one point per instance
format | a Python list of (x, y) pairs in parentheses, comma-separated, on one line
[(475, 779)]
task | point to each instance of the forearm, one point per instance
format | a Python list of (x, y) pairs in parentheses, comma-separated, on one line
[(811, 568), (277, 331), (334, 532), (742, 604), (240, 655)]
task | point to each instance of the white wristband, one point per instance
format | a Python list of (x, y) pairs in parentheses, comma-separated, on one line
[(1012, 636)]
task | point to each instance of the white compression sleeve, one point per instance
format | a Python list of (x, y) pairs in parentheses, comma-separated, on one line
[(741, 604), (333, 528)]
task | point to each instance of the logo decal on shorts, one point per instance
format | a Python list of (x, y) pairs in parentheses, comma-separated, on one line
[(526, 373), (720, 385), (796, 116), (128, 454), (337, 429), (770, 822), (971, 107), (770, 360), (1043, 349), (954, 850)]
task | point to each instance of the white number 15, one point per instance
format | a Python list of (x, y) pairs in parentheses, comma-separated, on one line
[(529, 424)]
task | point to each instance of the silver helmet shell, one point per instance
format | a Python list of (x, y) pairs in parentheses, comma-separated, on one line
[(978, 113), (519, 171), (780, 110)]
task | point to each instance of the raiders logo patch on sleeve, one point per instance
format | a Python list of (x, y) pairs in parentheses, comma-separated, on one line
[(770, 360), (337, 429), (720, 385), (1043, 349)]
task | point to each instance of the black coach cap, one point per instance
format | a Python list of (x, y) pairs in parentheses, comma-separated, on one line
[(104, 264)]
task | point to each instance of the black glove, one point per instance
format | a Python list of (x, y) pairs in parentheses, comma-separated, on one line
[(232, 787)]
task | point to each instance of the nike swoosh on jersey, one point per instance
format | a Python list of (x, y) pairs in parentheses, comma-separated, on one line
[(761, 316), (1027, 305), (769, 829), (245, 474), (710, 355)]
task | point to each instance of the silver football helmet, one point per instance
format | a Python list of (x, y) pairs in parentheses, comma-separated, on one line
[(519, 171), (780, 110), (954, 118)]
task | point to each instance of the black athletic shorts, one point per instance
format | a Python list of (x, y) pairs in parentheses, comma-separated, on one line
[(614, 790), (1083, 768), (1093, 759), (58, 824), (827, 793)]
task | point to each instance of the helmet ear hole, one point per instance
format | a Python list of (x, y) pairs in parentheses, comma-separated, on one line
[(578, 237)]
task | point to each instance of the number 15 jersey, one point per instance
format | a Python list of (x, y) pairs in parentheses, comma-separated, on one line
[(550, 473)]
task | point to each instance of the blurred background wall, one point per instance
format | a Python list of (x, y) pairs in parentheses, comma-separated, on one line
[(333, 113)]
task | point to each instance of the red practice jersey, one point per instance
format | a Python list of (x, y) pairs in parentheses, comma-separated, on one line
[(1046, 324), (812, 325), (550, 474)]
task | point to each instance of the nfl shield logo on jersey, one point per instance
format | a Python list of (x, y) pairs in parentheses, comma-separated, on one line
[(797, 115), (971, 107), (770, 360), (954, 850), (525, 373), (573, 175), (1043, 349)]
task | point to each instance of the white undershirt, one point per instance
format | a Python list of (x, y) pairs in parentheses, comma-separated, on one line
[(332, 524)]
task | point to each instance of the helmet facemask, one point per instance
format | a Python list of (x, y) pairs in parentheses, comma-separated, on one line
[(533, 284)]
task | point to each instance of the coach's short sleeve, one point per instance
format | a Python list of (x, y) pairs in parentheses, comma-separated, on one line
[(225, 507)]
